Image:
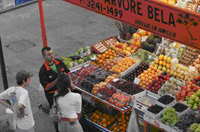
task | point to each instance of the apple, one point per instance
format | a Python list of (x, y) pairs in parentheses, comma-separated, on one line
[(178, 97), (183, 94), (188, 90), (184, 88), (197, 100)]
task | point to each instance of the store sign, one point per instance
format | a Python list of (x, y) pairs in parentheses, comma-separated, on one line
[(164, 20)]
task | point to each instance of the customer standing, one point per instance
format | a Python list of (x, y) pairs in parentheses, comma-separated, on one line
[(20, 103), (48, 74), (70, 104)]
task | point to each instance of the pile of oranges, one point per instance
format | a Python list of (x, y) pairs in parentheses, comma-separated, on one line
[(102, 119), (103, 58), (123, 65), (118, 125), (147, 77)]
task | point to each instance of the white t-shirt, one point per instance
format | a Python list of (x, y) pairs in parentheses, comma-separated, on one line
[(22, 96), (70, 105)]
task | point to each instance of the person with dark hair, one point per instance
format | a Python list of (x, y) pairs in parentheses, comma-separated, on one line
[(20, 103), (48, 74), (69, 104)]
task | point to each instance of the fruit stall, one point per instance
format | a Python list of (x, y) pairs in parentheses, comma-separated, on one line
[(142, 79), (139, 81), (121, 75)]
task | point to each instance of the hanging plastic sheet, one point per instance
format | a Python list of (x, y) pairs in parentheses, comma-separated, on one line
[(133, 123)]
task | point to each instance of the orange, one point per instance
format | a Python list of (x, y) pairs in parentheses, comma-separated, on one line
[(103, 120), (101, 61), (150, 81), (149, 74), (99, 56), (108, 123), (106, 53), (146, 76), (142, 78)]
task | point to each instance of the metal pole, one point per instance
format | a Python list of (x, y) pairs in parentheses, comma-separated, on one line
[(3, 69), (44, 37)]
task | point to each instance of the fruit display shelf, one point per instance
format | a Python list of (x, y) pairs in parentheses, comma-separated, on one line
[(181, 108), (121, 110), (144, 100), (127, 87), (98, 126), (136, 72), (124, 109), (130, 68), (155, 111), (166, 101), (156, 123)]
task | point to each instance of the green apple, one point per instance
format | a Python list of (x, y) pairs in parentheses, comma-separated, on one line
[(160, 67), (193, 97), (164, 69), (191, 105), (195, 107), (198, 93), (191, 102), (197, 100)]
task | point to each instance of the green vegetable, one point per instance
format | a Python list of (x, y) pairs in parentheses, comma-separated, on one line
[(169, 117), (198, 129), (194, 126)]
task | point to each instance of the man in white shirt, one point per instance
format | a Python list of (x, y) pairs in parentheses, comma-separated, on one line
[(20, 103)]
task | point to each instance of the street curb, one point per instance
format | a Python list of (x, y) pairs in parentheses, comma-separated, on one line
[(18, 6)]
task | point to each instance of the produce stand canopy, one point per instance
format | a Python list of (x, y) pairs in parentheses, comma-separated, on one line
[(154, 16)]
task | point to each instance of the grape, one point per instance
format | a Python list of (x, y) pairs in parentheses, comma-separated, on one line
[(169, 117), (193, 127)]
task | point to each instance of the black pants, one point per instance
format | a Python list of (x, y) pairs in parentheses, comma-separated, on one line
[(49, 97)]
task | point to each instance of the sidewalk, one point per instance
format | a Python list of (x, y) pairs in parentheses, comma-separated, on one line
[(68, 27)]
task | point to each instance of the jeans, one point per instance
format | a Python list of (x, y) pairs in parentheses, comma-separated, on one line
[(65, 126), (20, 130)]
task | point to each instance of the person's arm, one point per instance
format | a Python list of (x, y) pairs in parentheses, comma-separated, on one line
[(3, 102), (21, 113), (4, 96), (44, 81), (22, 104), (50, 85), (79, 106)]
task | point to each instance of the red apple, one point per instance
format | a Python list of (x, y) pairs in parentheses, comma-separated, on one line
[(189, 86), (189, 90), (184, 88), (183, 94), (178, 97), (183, 91), (195, 89)]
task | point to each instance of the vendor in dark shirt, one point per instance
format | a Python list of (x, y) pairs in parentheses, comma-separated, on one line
[(48, 74)]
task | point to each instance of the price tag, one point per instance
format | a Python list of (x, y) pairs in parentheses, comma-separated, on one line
[(137, 81), (115, 80), (150, 56), (143, 38)]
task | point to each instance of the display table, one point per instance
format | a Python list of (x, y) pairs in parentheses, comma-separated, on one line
[(157, 124), (121, 110)]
